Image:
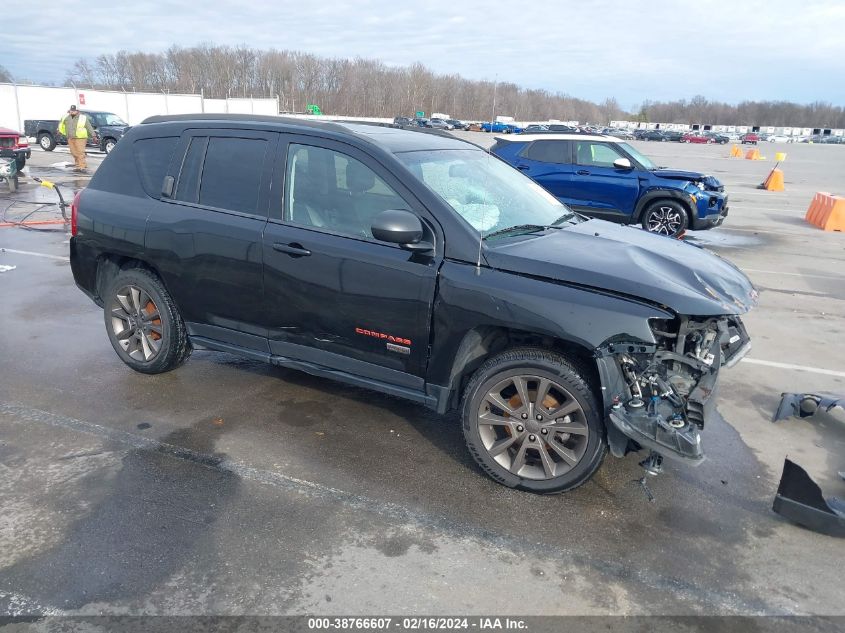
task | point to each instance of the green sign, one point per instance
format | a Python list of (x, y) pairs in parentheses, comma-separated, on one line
[(313, 109), (420, 115)]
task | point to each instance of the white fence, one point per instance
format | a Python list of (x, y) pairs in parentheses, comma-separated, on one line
[(18, 102)]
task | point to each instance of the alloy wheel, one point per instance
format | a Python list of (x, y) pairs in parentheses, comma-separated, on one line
[(136, 323), (44, 141), (533, 427), (664, 220)]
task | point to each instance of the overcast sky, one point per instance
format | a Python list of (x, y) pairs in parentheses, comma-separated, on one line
[(729, 50)]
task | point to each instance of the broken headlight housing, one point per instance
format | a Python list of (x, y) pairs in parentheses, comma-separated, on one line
[(671, 385)]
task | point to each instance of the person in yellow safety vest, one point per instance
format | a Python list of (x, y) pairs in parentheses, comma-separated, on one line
[(77, 127)]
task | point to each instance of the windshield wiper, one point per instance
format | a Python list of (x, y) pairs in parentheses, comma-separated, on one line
[(566, 216), (519, 228)]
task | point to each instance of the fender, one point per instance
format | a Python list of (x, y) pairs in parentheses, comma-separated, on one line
[(661, 194)]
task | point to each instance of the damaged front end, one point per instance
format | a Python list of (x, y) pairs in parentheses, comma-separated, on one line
[(660, 394)]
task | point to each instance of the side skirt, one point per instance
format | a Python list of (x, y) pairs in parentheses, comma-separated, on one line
[(435, 400)]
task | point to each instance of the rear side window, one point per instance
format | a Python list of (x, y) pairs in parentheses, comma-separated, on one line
[(231, 175), (187, 189), (547, 151), (152, 156)]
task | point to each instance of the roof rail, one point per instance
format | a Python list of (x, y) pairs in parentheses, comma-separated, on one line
[(247, 118)]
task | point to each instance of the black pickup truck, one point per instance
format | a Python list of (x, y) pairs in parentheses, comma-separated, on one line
[(110, 129), (418, 265)]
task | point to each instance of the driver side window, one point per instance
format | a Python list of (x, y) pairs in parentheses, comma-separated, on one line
[(593, 154), (334, 192)]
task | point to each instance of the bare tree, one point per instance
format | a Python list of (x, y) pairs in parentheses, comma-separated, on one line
[(5, 75)]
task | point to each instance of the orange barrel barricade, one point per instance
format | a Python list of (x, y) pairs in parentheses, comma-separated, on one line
[(827, 212)]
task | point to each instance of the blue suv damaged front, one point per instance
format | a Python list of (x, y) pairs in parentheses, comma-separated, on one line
[(706, 194)]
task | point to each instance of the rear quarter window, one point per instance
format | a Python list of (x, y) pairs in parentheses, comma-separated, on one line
[(547, 152), (152, 157)]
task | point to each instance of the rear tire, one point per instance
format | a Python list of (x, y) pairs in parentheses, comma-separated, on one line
[(143, 323), (46, 141), (665, 217), (552, 443)]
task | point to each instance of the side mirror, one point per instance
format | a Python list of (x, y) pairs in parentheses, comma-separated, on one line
[(398, 226), (622, 163)]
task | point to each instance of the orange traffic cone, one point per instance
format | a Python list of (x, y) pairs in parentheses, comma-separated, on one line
[(736, 152)]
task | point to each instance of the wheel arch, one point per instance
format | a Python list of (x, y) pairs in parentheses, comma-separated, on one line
[(109, 265), (657, 195), (482, 342)]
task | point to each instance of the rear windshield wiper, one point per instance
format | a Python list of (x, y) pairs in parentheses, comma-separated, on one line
[(518, 229)]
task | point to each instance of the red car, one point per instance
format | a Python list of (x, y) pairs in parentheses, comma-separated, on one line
[(695, 137), (750, 138), (9, 139)]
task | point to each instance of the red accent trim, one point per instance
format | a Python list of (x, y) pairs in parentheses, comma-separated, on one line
[(380, 335)]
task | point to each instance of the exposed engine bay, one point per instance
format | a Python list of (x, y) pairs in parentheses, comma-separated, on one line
[(664, 392)]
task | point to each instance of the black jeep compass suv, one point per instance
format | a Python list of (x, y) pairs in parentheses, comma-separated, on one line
[(414, 264)]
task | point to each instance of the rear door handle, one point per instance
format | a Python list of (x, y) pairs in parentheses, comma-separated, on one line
[(523, 167), (293, 249), (582, 172)]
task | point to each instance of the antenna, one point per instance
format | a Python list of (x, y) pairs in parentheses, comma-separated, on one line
[(483, 207)]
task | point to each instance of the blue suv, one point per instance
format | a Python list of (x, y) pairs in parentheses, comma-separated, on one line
[(604, 177)]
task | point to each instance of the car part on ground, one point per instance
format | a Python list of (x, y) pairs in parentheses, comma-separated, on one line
[(804, 405), (557, 337), (800, 500)]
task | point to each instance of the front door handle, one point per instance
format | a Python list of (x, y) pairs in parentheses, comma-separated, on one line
[(293, 249), (523, 167), (582, 172)]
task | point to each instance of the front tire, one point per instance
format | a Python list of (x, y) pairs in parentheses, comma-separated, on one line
[(46, 141), (108, 145), (143, 323), (665, 217), (531, 422)]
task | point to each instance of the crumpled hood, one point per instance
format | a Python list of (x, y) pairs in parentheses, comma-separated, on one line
[(711, 182), (685, 278)]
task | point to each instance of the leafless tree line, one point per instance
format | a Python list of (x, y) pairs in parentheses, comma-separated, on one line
[(356, 87), (773, 113), (362, 87), (5, 76)]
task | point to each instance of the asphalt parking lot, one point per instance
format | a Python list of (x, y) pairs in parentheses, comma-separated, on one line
[(233, 487)]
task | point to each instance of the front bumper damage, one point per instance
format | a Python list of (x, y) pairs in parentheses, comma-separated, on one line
[(658, 396)]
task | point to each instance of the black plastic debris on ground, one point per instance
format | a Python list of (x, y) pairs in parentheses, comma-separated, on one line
[(800, 500), (803, 405)]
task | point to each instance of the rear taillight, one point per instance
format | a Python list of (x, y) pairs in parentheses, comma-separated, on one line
[(74, 212)]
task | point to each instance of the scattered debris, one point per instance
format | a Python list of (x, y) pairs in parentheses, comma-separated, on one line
[(803, 405), (800, 500)]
